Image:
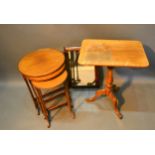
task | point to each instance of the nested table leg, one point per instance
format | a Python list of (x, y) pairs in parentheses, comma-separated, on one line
[(109, 90), (70, 107), (44, 110), (30, 88)]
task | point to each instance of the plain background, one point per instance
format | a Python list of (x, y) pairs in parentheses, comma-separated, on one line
[(17, 40)]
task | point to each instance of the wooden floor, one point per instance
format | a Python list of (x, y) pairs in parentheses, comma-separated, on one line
[(137, 105)]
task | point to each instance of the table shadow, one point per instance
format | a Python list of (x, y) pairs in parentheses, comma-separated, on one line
[(118, 94), (136, 73), (148, 72)]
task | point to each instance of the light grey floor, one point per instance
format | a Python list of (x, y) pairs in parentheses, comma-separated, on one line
[(17, 110)]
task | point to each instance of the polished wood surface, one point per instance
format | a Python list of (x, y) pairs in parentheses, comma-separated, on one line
[(116, 53), (45, 69), (41, 62), (51, 83), (49, 76), (112, 53)]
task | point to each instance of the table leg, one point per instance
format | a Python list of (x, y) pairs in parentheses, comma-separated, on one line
[(30, 88), (108, 91)]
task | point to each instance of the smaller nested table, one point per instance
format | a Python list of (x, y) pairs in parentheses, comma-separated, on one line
[(112, 53)]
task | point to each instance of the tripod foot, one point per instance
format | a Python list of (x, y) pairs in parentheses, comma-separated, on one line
[(119, 115)]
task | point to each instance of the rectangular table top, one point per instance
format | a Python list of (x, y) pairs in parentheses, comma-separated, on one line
[(115, 53)]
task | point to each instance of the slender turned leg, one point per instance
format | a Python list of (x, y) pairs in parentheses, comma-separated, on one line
[(110, 88), (115, 102), (45, 112), (108, 91), (37, 99), (68, 100), (33, 97)]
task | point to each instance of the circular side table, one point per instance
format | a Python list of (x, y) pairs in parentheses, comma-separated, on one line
[(45, 69), (41, 62)]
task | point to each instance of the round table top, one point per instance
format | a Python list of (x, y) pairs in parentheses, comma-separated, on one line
[(49, 76), (51, 83), (41, 62)]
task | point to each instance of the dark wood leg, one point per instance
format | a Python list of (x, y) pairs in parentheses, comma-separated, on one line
[(45, 111), (97, 95), (108, 91), (115, 102), (30, 88), (36, 98), (69, 100)]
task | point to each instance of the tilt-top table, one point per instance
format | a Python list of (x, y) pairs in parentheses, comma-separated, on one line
[(112, 53)]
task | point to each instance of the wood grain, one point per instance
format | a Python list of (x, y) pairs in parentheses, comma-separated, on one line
[(116, 53), (51, 83), (41, 62), (49, 76)]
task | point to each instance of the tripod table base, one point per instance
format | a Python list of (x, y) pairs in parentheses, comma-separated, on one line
[(109, 90)]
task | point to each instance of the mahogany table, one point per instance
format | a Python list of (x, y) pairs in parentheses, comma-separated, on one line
[(40, 63), (112, 53)]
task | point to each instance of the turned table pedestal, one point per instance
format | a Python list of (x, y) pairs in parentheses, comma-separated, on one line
[(111, 54)]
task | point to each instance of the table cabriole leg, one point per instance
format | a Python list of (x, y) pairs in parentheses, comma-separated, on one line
[(97, 94), (108, 91), (110, 88), (115, 102)]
